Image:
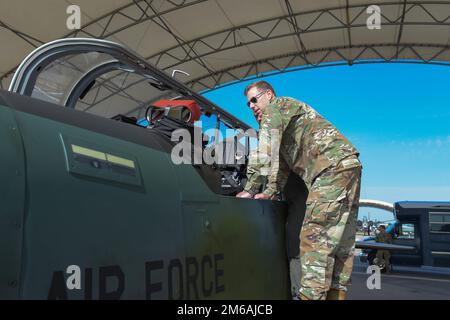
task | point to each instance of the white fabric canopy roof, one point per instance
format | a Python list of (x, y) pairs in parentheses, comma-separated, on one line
[(222, 42)]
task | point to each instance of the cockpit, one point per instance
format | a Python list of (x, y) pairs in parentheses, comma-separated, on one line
[(106, 79)]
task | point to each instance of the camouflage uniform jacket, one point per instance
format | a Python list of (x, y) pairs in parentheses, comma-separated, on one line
[(309, 145), (383, 237)]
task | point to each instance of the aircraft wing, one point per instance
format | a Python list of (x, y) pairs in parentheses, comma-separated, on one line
[(382, 246)]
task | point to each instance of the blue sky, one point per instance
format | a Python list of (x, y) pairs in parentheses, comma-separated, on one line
[(397, 115)]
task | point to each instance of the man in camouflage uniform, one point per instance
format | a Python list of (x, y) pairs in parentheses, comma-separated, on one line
[(311, 147), (383, 255), (294, 193)]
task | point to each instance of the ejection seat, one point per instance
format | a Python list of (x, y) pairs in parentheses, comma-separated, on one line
[(167, 116)]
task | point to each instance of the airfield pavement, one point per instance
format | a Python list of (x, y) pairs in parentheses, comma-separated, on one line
[(399, 285)]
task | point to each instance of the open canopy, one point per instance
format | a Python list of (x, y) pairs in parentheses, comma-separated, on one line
[(104, 78)]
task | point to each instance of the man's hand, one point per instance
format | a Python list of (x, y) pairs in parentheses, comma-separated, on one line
[(244, 194), (262, 196)]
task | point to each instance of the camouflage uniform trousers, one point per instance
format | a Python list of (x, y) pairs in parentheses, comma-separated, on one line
[(383, 256), (327, 237)]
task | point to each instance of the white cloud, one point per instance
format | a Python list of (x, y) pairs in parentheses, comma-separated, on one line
[(436, 142)]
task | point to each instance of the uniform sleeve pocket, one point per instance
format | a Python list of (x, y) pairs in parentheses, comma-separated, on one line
[(321, 212)]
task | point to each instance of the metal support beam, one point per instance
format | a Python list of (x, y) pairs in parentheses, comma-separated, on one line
[(297, 30), (349, 35), (210, 41), (180, 42), (400, 31), (111, 23), (32, 41), (119, 15), (205, 84)]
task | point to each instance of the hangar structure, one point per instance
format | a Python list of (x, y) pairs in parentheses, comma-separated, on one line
[(219, 43), (117, 164)]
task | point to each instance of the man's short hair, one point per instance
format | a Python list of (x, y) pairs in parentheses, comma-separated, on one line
[(261, 85)]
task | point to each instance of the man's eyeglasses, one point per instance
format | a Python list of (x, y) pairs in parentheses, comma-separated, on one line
[(255, 98)]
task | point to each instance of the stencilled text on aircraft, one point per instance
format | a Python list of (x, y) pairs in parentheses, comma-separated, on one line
[(174, 279)]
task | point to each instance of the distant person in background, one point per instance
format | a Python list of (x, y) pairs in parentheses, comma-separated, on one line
[(383, 255)]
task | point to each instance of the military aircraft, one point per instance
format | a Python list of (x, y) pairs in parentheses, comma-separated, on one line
[(88, 189), (93, 207)]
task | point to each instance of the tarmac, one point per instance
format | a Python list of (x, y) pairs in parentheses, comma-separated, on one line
[(400, 284)]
